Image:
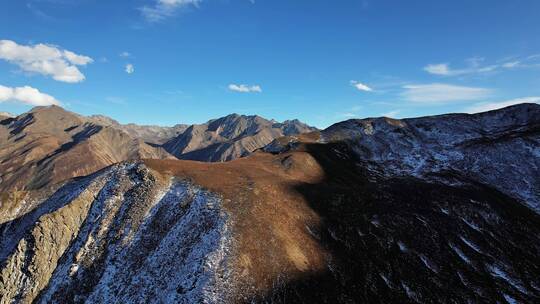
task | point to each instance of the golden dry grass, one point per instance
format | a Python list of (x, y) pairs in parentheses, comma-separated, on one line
[(270, 218)]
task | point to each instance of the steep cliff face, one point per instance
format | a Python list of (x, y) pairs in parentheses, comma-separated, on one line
[(499, 148)]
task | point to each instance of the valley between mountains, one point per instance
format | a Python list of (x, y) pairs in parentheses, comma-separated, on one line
[(439, 209)]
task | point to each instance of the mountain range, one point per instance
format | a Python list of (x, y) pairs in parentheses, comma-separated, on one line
[(439, 209), (49, 144)]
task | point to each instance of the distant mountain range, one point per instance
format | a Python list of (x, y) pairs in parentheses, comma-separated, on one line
[(49, 144), (230, 137), (439, 209)]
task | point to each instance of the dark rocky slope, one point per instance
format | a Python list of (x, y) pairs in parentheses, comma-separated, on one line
[(499, 148)]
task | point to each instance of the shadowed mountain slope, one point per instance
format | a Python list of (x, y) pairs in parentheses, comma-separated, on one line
[(499, 148)]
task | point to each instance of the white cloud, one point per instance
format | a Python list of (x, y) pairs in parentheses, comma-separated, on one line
[(242, 88), (437, 69), (488, 106), (130, 68), (125, 54), (511, 64), (444, 69), (26, 95), (360, 86), (475, 66), (45, 59), (165, 8), (439, 93)]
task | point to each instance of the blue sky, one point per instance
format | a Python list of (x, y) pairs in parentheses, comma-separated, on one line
[(320, 61)]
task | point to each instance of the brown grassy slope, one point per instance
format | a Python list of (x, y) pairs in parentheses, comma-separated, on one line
[(269, 217)]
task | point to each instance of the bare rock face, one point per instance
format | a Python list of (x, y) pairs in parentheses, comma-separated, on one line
[(498, 148)]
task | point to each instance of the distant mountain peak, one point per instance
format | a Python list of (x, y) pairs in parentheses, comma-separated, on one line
[(230, 137)]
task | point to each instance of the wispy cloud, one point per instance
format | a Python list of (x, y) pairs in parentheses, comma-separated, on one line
[(532, 61), (116, 100), (488, 106), (26, 95), (440, 93), (360, 86), (242, 88), (165, 8), (391, 114), (475, 66), (45, 59), (38, 12), (125, 54), (130, 69), (351, 112)]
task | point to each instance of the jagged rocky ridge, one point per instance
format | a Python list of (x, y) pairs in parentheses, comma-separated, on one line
[(315, 221)]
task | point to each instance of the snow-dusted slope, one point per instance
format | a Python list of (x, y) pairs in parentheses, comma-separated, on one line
[(118, 236), (499, 148)]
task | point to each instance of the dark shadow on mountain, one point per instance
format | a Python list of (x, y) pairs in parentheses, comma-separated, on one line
[(81, 136), (20, 124), (7, 121), (71, 128), (406, 240)]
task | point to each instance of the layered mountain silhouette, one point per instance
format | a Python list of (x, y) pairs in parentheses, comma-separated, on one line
[(230, 137), (154, 135), (440, 209), (50, 144)]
